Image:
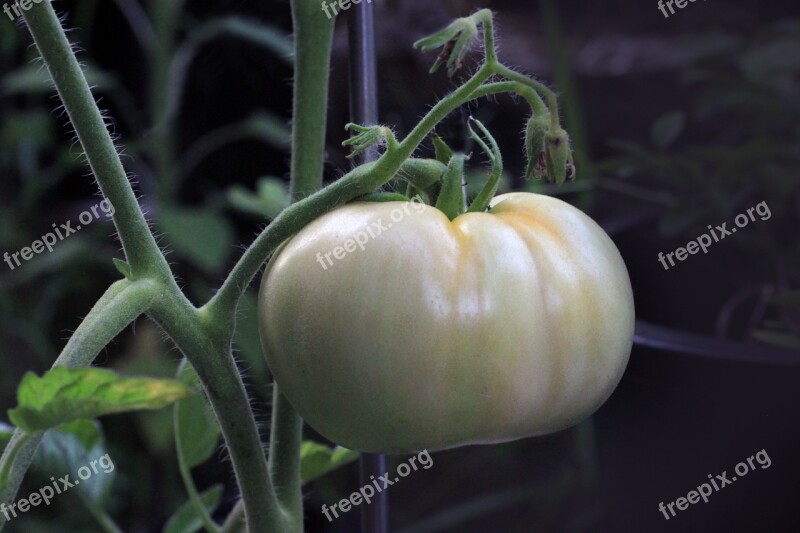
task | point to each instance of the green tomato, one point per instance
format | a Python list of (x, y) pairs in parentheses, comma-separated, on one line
[(393, 329)]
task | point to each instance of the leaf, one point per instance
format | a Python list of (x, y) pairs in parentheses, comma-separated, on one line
[(270, 199), (186, 520), (196, 427), (667, 128), (63, 395), (257, 32), (202, 236), (6, 432), (30, 127), (316, 460), (123, 268), (271, 128), (443, 152), (78, 449)]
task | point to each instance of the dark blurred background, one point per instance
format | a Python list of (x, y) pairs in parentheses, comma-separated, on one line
[(677, 123)]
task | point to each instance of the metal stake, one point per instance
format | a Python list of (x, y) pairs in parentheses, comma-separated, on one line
[(364, 111)]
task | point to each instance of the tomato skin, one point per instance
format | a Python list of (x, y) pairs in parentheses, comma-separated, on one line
[(492, 327)]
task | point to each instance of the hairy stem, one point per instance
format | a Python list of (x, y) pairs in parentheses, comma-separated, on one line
[(140, 247), (209, 352), (286, 436), (206, 345), (313, 32), (550, 96), (534, 100), (313, 37), (361, 180)]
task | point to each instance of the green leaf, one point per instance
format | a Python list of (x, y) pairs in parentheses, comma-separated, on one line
[(270, 199), (667, 128), (123, 268), (443, 152), (196, 427), (202, 236), (78, 448), (186, 520), (29, 127), (256, 32), (6, 432), (63, 395), (316, 460), (270, 128), (451, 197)]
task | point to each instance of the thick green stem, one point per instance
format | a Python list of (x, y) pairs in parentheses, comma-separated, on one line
[(313, 41), (122, 303), (140, 247), (313, 37), (286, 436), (209, 352), (205, 344)]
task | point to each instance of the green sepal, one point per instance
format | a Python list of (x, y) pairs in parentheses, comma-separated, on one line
[(123, 268), (443, 152), (492, 151), (455, 41), (451, 198)]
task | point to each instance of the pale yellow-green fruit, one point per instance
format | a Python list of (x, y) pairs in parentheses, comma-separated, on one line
[(430, 333)]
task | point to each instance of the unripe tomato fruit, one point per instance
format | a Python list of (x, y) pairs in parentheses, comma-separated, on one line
[(432, 333)]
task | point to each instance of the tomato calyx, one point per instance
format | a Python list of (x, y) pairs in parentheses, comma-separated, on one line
[(444, 185), (455, 41), (368, 136)]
